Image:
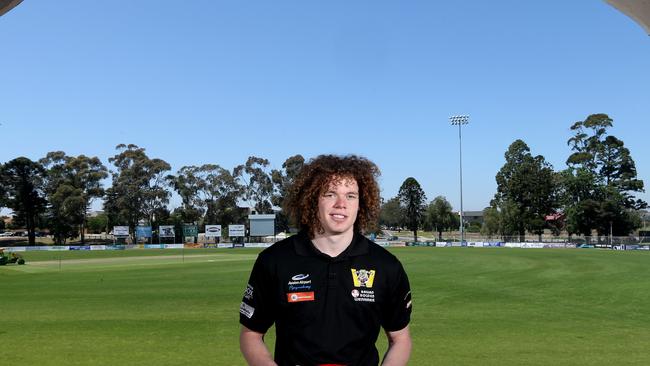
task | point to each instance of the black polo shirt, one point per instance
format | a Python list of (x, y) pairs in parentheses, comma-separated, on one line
[(326, 310)]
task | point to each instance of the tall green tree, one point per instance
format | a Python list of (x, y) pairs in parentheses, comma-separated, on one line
[(605, 157), (491, 222), (23, 182), (97, 224), (72, 184), (138, 189), (3, 191), (188, 183), (580, 197), (64, 201), (413, 199), (210, 189), (526, 191), (502, 220), (282, 180), (221, 192), (601, 181), (391, 213), (439, 216), (258, 187)]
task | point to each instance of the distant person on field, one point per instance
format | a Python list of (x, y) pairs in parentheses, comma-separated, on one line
[(14, 257), (328, 290)]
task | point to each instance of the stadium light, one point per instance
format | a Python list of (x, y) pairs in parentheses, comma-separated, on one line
[(460, 121)]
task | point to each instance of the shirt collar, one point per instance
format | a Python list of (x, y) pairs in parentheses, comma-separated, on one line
[(304, 247)]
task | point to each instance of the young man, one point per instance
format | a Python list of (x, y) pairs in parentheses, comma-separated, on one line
[(328, 289)]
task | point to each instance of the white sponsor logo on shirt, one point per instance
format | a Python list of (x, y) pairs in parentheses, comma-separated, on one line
[(248, 294), (299, 277), (246, 310)]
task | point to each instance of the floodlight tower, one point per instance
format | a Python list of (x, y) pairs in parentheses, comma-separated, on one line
[(460, 121)]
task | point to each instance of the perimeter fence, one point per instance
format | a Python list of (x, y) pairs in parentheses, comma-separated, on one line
[(597, 241), (615, 243)]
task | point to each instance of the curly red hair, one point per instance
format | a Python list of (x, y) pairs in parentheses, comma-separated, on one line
[(316, 176)]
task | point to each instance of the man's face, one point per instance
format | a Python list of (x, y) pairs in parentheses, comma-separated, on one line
[(338, 206)]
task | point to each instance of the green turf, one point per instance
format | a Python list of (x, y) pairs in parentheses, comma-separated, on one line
[(84, 254), (471, 307)]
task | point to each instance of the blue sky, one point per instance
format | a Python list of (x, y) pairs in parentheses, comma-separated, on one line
[(198, 82)]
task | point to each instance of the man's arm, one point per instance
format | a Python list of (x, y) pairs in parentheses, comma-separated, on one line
[(399, 348), (251, 344)]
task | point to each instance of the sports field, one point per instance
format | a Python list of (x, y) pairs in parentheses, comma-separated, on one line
[(472, 306)]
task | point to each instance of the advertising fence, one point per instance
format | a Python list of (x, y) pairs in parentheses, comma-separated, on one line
[(435, 244)]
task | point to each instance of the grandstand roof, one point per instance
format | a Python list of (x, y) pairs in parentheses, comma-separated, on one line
[(639, 10)]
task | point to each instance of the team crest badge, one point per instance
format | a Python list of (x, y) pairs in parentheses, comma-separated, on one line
[(363, 277)]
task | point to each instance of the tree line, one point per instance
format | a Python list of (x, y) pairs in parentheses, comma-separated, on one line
[(409, 210), (593, 194), (55, 192)]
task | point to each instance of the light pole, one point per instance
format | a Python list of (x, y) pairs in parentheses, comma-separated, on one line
[(460, 121)]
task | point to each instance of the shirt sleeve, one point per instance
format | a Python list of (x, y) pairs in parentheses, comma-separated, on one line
[(397, 313), (256, 311)]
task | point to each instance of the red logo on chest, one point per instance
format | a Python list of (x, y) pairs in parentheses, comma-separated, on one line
[(300, 296)]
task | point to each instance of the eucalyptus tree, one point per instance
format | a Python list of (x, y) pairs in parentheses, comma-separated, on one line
[(97, 223), (139, 186), (221, 193), (282, 180), (209, 192), (72, 184), (257, 183), (187, 183), (413, 199)]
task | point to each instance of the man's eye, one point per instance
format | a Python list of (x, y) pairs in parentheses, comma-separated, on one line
[(352, 196)]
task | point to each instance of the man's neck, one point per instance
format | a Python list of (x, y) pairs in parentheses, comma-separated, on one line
[(333, 245)]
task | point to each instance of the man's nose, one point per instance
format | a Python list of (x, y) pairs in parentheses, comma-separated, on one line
[(340, 202)]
